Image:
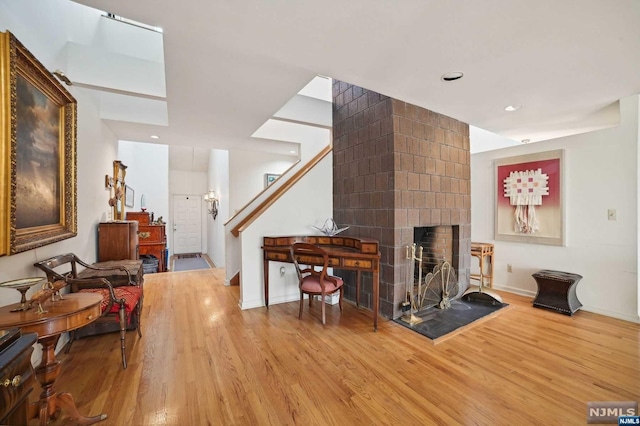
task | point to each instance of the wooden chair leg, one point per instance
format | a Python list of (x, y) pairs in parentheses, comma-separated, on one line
[(340, 300), (123, 333), (72, 337), (139, 313), (301, 303)]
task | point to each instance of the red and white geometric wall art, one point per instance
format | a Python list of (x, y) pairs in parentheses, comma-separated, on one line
[(529, 199)]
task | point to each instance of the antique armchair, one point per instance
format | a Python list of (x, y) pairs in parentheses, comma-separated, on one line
[(311, 281), (119, 283)]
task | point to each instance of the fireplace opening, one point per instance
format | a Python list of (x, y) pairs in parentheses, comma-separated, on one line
[(434, 262), (439, 243)]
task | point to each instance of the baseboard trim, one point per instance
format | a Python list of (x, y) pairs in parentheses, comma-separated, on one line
[(515, 290), (612, 314), (272, 301)]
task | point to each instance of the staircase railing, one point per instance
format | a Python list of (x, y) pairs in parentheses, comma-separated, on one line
[(275, 195)]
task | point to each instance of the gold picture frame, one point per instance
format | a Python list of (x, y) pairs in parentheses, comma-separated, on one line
[(38, 177)]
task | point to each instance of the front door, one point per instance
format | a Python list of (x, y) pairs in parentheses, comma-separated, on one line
[(187, 224)]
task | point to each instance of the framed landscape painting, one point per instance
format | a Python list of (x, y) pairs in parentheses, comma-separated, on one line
[(38, 143), (530, 198)]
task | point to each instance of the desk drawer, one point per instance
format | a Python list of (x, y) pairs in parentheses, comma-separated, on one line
[(151, 234), (280, 257), (358, 263), (14, 396)]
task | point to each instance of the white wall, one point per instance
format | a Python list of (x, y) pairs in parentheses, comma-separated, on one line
[(148, 174), (96, 148), (601, 173), (218, 181), (246, 174), (288, 216), (234, 256), (482, 140)]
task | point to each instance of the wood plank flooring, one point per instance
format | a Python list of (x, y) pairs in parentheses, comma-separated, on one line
[(203, 361)]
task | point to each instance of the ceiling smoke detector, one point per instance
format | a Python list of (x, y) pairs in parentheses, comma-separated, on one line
[(452, 76), (526, 140)]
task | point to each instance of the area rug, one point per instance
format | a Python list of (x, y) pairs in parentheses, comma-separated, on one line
[(439, 324), (190, 264)]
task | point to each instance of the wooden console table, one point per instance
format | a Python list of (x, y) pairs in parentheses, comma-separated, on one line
[(356, 254), (70, 313), (557, 291)]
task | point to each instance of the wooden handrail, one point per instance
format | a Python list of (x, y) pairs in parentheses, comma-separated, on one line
[(241, 226), (246, 206)]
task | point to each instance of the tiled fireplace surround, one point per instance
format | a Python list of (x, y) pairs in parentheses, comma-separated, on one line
[(396, 167)]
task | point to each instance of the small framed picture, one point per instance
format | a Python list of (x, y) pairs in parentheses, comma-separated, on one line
[(269, 178), (129, 194)]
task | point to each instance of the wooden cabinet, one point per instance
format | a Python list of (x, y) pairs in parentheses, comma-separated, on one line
[(118, 240), (152, 238), (15, 366)]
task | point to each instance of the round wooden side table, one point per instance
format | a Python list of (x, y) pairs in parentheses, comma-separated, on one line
[(70, 313)]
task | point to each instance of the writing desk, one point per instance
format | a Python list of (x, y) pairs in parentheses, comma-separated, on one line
[(351, 253), (74, 311)]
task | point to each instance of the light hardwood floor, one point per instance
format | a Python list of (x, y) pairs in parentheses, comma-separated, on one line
[(203, 361)]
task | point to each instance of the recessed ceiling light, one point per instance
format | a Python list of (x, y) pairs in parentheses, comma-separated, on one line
[(511, 108), (452, 76), (293, 151), (155, 137)]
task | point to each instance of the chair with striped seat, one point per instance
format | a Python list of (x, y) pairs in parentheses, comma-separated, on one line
[(121, 299)]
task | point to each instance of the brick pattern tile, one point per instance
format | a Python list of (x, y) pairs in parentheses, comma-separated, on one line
[(397, 167)]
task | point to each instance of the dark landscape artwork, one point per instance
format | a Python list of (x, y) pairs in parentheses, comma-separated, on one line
[(37, 158)]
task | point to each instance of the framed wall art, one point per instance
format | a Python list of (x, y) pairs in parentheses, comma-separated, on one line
[(38, 144), (530, 198), (269, 178), (129, 195)]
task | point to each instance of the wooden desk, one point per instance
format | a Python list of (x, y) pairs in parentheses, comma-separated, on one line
[(74, 311), (483, 251), (356, 254), (152, 238)]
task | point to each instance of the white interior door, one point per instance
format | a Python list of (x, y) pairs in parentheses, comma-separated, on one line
[(187, 225)]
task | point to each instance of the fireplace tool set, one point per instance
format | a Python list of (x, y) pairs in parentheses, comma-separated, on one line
[(436, 288), (409, 303)]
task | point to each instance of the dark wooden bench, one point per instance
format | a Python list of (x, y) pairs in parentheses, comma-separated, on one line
[(120, 282)]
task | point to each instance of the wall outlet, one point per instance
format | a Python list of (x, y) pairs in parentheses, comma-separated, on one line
[(509, 269)]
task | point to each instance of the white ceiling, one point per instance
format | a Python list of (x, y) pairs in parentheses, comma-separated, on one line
[(231, 65)]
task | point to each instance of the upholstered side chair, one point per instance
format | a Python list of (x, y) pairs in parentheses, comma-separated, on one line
[(306, 258)]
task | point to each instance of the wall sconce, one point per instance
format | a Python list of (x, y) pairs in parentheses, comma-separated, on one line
[(212, 200)]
